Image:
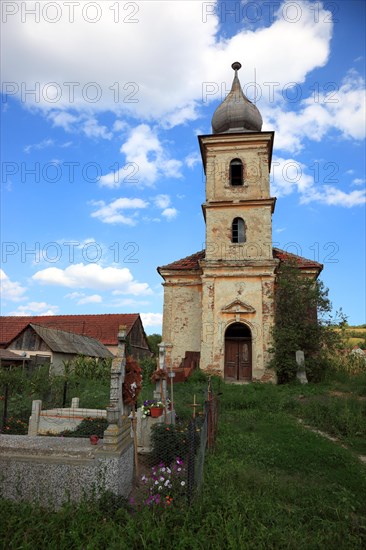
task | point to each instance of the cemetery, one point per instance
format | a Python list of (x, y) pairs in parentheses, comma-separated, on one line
[(48, 468)]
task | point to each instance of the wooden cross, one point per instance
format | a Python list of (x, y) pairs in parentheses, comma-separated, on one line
[(194, 405)]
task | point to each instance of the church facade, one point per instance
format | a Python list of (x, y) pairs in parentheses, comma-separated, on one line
[(219, 302)]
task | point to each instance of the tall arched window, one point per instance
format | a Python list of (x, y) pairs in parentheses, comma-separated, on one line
[(236, 172), (238, 231)]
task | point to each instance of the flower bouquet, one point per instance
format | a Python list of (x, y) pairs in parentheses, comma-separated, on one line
[(153, 408)]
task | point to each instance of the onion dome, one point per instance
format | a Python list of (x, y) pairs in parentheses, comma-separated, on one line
[(236, 113)]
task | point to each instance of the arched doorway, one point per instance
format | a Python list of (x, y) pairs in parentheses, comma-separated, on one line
[(238, 353)]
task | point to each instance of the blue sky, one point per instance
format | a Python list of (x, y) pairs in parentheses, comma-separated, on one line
[(102, 180)]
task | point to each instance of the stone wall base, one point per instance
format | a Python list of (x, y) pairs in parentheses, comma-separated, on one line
[(51, 471)]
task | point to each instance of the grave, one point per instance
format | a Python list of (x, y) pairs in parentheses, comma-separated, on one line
[(52, 470)]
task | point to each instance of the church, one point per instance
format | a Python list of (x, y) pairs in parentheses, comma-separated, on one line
[(219, 302)]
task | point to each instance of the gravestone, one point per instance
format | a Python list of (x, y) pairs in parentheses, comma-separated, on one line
[(117, 435), (301, 372)]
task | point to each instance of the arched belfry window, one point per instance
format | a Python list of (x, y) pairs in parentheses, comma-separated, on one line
[(238, 231), (236, 172)]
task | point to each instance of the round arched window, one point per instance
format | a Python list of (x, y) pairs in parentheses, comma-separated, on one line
[(236, 172), (238, 231)]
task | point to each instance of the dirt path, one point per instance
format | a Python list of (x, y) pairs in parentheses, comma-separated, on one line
[(362, 458)]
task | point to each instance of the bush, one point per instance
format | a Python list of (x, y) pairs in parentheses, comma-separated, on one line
[(148, 365), (88, 427), (15, 426), (168, 442)]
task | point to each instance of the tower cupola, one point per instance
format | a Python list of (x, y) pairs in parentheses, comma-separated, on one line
[(236, 113)]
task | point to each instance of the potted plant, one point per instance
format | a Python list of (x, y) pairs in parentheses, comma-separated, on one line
[(153, 408)]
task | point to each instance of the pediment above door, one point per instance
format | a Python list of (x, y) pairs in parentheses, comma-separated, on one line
[(237, 306)]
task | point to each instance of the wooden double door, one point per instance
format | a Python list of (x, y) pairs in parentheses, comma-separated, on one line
[(238, 359)]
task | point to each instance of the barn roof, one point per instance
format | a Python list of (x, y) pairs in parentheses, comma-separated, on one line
[(68, 342), (7, 355), (102, 327), (192, 262)]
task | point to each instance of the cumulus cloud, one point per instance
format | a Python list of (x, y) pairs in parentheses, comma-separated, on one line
[(93, 299), (169, 213), (358, 181), (146, 160), (83, 123), (151, 319), (192, 159), (336, 197), (289, 176), (113, 212), (39, 146), (164, 203), (35, 308), (83, 299), (92, 276), (11, 290), (341, 109), (169, 84)]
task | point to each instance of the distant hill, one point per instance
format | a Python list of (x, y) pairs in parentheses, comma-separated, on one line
[(356, 336)]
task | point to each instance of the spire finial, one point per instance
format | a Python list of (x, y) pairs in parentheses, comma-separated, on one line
[(236, 66)]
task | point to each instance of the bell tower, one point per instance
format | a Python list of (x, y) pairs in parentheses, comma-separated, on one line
[(238, 268), (237, 158)]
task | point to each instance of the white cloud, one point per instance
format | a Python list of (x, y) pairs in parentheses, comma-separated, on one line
[(39, 146), (93, 299), (92, 276), (35, 308), (112, 212), (162, 201), (146, 160), (91, 128), (169, 213), (119, 125), (290, 175), (358, 181), (74, 295), (83, 299), (151, 319), (64, 120), (142, 89), (340, 109), (11, 290), (192, 159), (84, 123), (335, 197)]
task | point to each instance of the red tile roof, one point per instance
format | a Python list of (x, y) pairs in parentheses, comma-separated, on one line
[(302, 262), (101, 327), (192, 262)]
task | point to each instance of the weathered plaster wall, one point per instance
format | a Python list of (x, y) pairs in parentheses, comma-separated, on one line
[(258, 229), (254, 157), (222, 286), (182, 316)]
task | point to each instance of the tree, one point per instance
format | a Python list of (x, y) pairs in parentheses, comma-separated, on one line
[(154, 340), (302, 322)]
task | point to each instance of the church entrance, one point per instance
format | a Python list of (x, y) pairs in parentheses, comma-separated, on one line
[(238, 353)]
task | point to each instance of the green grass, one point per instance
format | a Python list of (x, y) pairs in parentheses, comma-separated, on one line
[(270, 484)]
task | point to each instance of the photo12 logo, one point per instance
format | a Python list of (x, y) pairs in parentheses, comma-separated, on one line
[(68, 171), (268, 12), (69, 251), (69, 93), (70, 12), (291, 92)]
